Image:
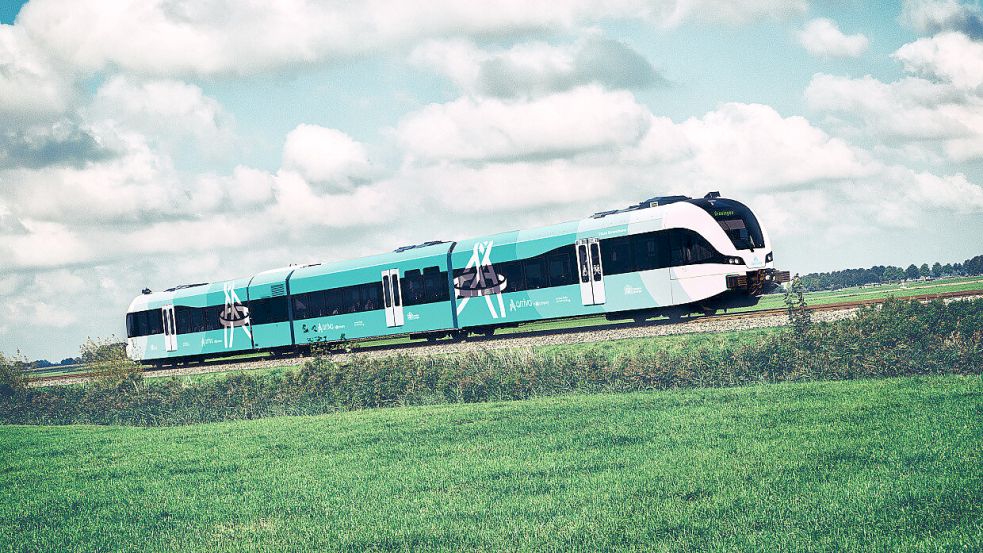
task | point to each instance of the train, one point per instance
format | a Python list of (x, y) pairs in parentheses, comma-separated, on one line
[(664, 255)]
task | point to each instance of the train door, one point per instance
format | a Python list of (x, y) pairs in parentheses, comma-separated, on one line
[(170, 330), (591, 271), (392, 295)]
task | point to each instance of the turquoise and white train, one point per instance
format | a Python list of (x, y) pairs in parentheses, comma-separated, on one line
[(664, 254)]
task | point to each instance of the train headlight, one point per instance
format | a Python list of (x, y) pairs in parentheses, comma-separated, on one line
[(735, 261), (770, 257)]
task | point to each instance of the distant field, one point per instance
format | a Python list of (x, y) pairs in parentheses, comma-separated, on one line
[(886, 465)]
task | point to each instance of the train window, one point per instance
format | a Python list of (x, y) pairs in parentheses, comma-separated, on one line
[(155, 322), (689, 248), (331, 302), (300, 306), (268, 310), (353, 299), (736, 220), (140, 323), (616, 253), (435, 284), (535, 271), (512, 272), (412, 285), (197, 320), (317, 303), (649, 251), (130, 327), (560, 271), (182, 316)]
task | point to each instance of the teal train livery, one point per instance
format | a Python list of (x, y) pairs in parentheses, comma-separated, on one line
[(665, 255)]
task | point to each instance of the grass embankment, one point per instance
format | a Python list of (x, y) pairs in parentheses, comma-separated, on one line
[(891, 464)]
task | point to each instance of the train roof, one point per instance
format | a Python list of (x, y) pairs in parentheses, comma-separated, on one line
[(390, 259)]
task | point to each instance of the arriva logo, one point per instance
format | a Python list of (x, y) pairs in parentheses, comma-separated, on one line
[(234, 315), (480, 279)]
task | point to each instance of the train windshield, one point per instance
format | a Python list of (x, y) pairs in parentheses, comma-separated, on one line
[(737, 221)]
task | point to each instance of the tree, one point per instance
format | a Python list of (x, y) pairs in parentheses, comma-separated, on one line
[(924, 271), (892, 274), (937, 269), (947, 269), (911, 273)]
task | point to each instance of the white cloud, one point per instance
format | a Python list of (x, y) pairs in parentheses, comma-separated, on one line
[(933, 16), (325, 155), (165, 111), (912, 109), (752, 147), (951, 57), (30, 85), (536, 68), (580, 120), (225, 36), (822, 38)]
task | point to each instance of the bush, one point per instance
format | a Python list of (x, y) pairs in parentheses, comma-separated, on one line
[(107, 359), (12, 379), (897, 338)]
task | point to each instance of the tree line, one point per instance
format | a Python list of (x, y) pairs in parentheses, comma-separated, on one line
[(888, 273)]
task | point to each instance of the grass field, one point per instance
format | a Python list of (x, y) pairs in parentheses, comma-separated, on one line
[(890, 464)]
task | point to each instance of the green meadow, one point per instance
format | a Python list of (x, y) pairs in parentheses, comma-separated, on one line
[(887, 464)]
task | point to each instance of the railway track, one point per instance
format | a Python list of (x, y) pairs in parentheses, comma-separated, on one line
[(721, 322)]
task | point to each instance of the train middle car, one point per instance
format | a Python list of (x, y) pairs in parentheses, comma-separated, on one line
[(659, 254)]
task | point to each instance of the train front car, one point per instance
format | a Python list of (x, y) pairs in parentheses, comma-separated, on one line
[(727, 261)]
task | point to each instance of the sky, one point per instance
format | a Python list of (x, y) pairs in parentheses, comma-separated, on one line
[(146, 144)]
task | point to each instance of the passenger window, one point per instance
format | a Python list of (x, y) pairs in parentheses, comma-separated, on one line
[(617, 256), (560, 270), (535, 271)]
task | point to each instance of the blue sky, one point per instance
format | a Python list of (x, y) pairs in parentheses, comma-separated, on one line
[(155, 143)]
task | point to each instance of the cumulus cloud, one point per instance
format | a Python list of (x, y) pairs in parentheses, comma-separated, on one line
[(950, 57), (247, 36), (326, 156), (536, 68), (822, 38), (30, 84), (933, 16), (944, 112), (165, 111), (561, 124), (750, 147), (62, 143), (910, 108)]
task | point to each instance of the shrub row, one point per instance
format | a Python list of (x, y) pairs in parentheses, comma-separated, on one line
[(899, 338)]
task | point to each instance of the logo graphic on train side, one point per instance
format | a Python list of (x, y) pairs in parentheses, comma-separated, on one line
[(235, 315), (481, 280)]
